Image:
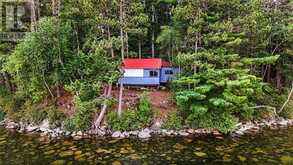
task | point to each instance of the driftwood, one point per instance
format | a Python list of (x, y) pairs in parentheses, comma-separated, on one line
[(104, 107), (288, 99)]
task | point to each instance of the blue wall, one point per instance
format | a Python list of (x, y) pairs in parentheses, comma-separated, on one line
[(147, 80), (164, 78), (140, 81)]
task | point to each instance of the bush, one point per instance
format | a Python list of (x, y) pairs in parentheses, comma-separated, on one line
[(128, 120), (2, 115), (145, 113), (132, 120), (33, 114), (83, 117), (55, 116), (224, 122), (174, 121)]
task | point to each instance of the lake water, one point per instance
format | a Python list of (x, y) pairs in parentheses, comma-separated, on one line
[(267, 147)]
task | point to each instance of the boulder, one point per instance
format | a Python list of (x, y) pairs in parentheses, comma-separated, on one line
[(116, 134), (31, 128), (12, 125), (145, 133), (44, 126), (156, 126), (133, 133), (183, 133)]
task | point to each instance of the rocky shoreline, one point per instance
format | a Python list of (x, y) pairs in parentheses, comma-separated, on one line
[(44, 130)]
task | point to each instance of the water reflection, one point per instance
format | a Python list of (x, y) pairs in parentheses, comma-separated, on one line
[(268, 147)]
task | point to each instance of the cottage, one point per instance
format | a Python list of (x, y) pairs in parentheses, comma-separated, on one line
[(147, 72)]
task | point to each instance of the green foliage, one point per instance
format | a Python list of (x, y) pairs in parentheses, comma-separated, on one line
[(55, 116), (128, 120), (2, 114), (174, 121), (33, 114), (82, 120), (37, 63), (132, 120), (145, 113)]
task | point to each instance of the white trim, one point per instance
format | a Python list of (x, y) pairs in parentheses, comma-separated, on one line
[(133, 72)]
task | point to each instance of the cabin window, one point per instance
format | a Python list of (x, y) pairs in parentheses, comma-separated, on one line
[(170, 72), (153, 73)]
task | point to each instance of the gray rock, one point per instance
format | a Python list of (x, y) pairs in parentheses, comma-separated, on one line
[(12, 125), (133, 133), (145, 133), (67, 133), (116, 134), (125, 134), (183, 133), (79, 133), (157, 125), (44, 126), (31, 128)]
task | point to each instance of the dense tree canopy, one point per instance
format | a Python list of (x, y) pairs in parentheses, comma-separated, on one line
[(229, 54)]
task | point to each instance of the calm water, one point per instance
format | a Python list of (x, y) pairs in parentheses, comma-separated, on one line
[(268, 147)]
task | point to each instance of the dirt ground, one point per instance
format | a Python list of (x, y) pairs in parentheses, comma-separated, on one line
[(160, 100)]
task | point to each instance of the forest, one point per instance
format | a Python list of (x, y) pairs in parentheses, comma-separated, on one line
[(235, 59)]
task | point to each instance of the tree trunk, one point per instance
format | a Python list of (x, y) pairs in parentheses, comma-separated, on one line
[(120, 99), (33, 16), (288, 99), (121, 28), (56, 4), (111, 44), (104, 107), (153, 32)]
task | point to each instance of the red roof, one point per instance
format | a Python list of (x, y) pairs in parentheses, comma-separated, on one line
[(148, 63)]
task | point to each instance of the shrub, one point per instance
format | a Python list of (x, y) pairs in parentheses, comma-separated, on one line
[(83, 117), (2, 115), (128, 120), (174, 121), (145, 113), (33, 114), (131, 120), (224, 122), (55, 116), (216, 98)]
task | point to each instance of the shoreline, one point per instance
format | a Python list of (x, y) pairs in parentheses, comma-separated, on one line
[(43, 130)]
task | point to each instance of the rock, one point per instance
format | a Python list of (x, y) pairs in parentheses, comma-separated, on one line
[(133, 133), (125, 134), (183, 133), (67, 133), (169, 132), (145, 133), (200, 154), (44, 126), (156, 126), (116, 134), (79, 133), (31, 128), (77, 137), (12, 125), (101, 132), (191, 131)]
